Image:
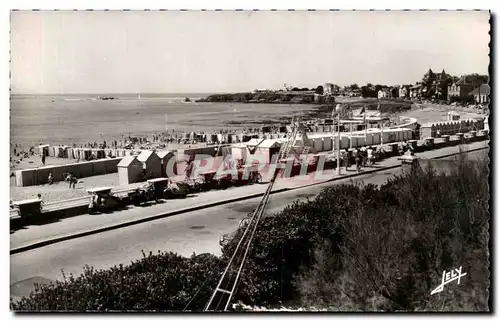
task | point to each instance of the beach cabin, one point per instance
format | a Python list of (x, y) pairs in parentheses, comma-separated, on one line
[(239, 151), (263, 148), (427, 130), (43, 150), (165, 156), (129, 170), (151, 163), (327, 143), (453, 115)]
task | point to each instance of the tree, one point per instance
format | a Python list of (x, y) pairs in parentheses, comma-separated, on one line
[(295, 89), (320, 90), (368, 92), (395, 92), (354, 87), (304, 89)]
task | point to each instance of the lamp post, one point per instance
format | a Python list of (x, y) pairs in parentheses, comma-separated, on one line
[(338, 108)]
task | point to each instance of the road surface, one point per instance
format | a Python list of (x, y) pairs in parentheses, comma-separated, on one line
[(187, 233)]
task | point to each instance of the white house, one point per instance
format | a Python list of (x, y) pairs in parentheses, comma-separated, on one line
[(403, 92), (383, 93), (481, 94)]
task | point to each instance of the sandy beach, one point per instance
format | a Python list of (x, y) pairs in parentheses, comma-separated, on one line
[(62, 120)]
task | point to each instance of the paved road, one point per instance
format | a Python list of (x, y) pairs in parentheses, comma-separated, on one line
[(187, 233)]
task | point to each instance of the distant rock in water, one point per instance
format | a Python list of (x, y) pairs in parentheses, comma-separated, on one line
[(187, 100), (106, 98)]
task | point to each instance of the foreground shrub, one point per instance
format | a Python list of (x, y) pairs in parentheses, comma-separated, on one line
[(165, 281), (393, 255)]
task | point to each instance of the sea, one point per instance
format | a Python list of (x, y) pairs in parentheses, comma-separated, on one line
[(68, 119)]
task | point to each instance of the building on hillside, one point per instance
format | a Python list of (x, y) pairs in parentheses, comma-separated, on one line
[(352, 92), (384, 93), (465, 84), (403, 92), (416, 91), (481, 94), (328, 89), (331, 89), (459, 89), (435, 85)]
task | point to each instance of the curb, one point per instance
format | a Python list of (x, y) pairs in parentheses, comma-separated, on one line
[(200, 207)]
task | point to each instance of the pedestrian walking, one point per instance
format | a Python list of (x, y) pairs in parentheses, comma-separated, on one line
[(363, 156), (369, 155)]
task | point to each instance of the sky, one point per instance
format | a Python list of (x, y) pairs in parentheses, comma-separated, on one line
[(68, 52)]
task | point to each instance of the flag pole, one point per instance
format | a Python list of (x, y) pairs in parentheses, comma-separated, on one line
[(381, 126), (366, 126)]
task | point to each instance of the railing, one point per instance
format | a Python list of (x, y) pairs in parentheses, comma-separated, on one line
[(64, 204)]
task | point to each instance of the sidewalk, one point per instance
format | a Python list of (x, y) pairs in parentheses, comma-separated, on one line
[(66, 228)]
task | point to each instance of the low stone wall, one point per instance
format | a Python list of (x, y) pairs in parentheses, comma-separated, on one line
[(439, 165), (38, 176)]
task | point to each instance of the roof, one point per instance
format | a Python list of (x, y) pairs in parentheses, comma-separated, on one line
[(239, 145), (253, 141), (30, 201), (483, 90), (469, 79), (99, 189), (268, 143), (145, 155), (127, 161), (164, 153)]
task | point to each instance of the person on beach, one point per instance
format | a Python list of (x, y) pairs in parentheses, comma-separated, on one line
[(39, 196), (369, 156), (43, 158), (346, 160), (73, 181), (51, 179), (365, 157), (357, 158)]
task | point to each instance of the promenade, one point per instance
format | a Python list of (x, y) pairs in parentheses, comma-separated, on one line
[(69, 227)]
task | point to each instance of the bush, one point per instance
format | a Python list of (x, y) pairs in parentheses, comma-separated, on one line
[(165, 281), (396, 246), (462, 100)]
